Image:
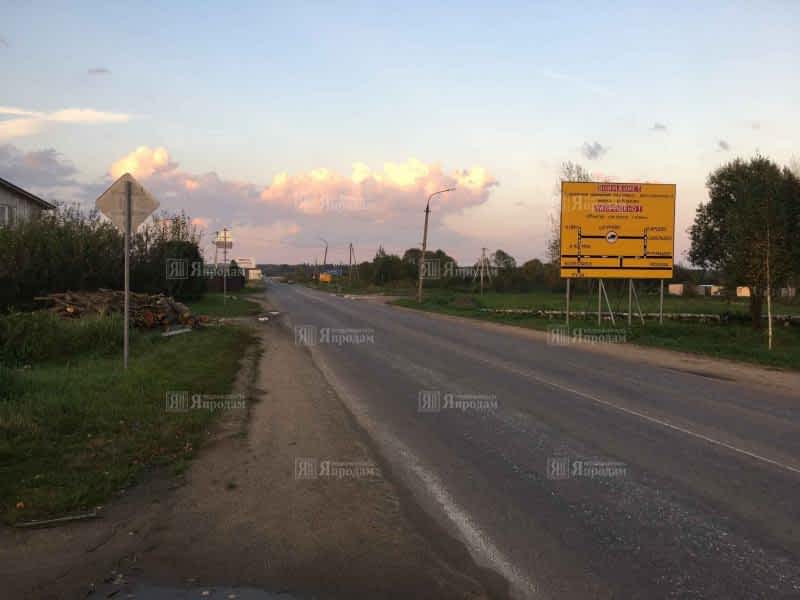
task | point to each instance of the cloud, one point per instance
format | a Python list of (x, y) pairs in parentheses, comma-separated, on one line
[(46, 173), (723, 146), (593, 150), (376, 195), (143, 163), (3, 42), (40, 168), (280, 222), (98, 71), (658, 127), (14, 128), (24, 122)]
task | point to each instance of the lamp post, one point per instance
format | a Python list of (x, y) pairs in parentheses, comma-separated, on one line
[(325, 258), (425, 239)]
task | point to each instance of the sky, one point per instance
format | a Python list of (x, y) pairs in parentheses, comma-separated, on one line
[(294, 121)]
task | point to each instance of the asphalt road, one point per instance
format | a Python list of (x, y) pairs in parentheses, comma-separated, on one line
[(573, 474)]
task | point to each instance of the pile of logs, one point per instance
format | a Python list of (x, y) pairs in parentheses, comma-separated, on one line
[(146, 311)]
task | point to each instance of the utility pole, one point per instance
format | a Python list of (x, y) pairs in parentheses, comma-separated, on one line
[(216, 249), (350, 263), (769, 289), (325, 256), (225, 267), (483, 269), (425, 239)]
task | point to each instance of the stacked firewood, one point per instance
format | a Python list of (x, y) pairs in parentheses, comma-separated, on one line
[(146, 311)]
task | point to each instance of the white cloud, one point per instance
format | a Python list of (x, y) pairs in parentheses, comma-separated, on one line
[(144, 162), (26, 122)]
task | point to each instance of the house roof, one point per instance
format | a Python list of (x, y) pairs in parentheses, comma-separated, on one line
[(26, 194)]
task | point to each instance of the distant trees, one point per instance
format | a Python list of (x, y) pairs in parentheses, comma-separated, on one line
[(386, 267), (166, 238), (748, 230), (503, 260)]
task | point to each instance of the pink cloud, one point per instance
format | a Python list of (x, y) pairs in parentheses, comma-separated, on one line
[(282, 221)]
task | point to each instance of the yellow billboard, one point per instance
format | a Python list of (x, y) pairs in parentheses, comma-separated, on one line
[(617, 230)]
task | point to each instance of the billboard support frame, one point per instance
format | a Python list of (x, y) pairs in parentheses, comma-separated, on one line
[(568, 281), (601, 292)]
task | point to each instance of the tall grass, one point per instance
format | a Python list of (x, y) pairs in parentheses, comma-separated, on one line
[(27, 338)]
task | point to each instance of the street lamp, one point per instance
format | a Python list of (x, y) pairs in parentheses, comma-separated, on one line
[(325, 259), (425, 239)]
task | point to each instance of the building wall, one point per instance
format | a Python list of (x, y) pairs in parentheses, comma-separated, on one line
[(22, 208)]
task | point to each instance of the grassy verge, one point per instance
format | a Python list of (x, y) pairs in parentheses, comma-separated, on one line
[(215, 305), (343, 286), (732, 341), (254, 287), (72, 433)]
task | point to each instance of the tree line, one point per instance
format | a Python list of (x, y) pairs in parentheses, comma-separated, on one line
[(71, 250)]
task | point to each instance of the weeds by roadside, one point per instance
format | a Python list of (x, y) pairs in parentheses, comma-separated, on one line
[(72, 433)]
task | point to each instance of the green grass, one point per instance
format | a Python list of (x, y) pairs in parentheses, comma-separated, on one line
[(619, 301), (38, 336), (731, 341), (214, 305), (254, 287), (71, 434), (343, 286)]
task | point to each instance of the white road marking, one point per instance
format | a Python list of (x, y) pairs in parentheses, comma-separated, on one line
[(478, 541)]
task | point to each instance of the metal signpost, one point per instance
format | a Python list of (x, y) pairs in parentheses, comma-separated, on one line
[(224, 241), (127, 204), (617, 231)]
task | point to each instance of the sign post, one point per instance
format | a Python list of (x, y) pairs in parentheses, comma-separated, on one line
[(225, 242), (127, 204), (126, 325)]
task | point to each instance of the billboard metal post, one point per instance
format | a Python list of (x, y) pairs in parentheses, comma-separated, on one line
[(661, 304), (599, 301), (638, 305), (630, 302), (601, 291), (568, 280)]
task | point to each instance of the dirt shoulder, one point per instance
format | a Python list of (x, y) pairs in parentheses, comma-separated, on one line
[(257, 508), (717, 368)]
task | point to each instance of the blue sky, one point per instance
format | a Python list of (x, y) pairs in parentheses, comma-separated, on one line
[(251, 90)]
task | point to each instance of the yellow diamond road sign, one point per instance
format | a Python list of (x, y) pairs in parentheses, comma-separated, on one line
[(617, 230), (112, 202)]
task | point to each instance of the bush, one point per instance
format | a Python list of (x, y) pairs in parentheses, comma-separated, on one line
[(69, 250)]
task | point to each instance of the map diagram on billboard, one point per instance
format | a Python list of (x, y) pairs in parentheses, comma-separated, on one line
[(617, 230)]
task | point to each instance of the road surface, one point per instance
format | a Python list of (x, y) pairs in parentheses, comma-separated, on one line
[(573, 474)]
